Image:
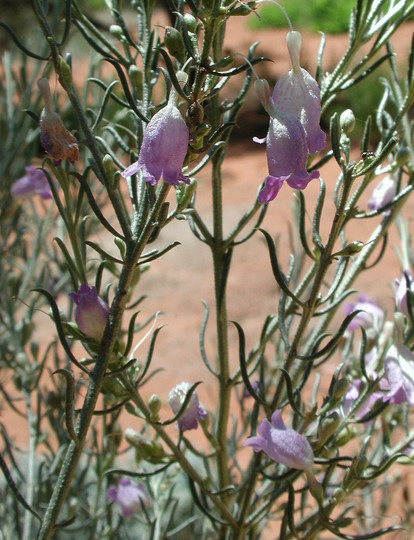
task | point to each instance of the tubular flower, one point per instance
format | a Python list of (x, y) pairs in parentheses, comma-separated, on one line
[(34, 182), (91, 312), (194, 412), (287, 148), (371, 317), (283, 445), (130, 496), (405, 286), (164, 145), (297, 93), (382, 194), (58, 142), (399, 374)]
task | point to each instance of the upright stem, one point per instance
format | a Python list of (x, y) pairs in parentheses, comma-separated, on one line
[(220, 254)]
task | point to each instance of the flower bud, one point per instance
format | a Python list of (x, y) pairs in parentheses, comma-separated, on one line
[(154, 405), (193, 412), (347, 121), (327, 426), (173, 40), (116, 31), (190, 22)]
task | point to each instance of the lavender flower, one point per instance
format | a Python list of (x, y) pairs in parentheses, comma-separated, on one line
[(399, 374), (297, 93), (91, 312), (283, 445), (194, 412), (287, 149), (370, 318), (34, 182), (382, 194), (58, 142), (403, 289), (164, 145), (130, 496), (353, 394)]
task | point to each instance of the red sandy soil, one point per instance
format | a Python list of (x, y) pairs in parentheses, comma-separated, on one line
[(179, 282)]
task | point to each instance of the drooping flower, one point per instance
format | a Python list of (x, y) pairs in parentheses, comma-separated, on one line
[(58, 142), (164, 145), (298, 93), (287, 149), (283, 445), (371, 317), (194, 411), (34, 182), (399, 374), (130, 496), (91, 312), (382, 194), (405, 286)]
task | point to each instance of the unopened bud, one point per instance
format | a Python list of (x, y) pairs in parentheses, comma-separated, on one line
[(190, 22), (154, 405), (350, 249), (347, 121), (135, 76), (328, 426), (340, 388), (65, 74), (174, 42), (116, 31)]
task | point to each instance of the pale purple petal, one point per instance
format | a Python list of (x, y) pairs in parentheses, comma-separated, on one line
[(402, 291), (399, 373), (298, 93), (130, 496), (33, 183), (193, 412), (91, 312), (163, 148), (287, 155), (371, 316), (382, 194), (281, 444)]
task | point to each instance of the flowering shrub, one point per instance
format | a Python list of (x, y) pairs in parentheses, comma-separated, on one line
[(120, 157)]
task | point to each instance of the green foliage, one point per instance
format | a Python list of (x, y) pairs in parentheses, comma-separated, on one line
[(330, 16)]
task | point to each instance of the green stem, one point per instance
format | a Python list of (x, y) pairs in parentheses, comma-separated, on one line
[(220, 277)]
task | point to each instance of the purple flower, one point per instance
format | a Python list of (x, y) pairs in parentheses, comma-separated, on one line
[(353, 394), (297, 93), (130, 496), (402, 291), (91, 312), (58, 142), (34, 182), (283, 445), (164, 145), (382, 194), (371, 316), (287, 149), (399, 375), (194, 412)]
